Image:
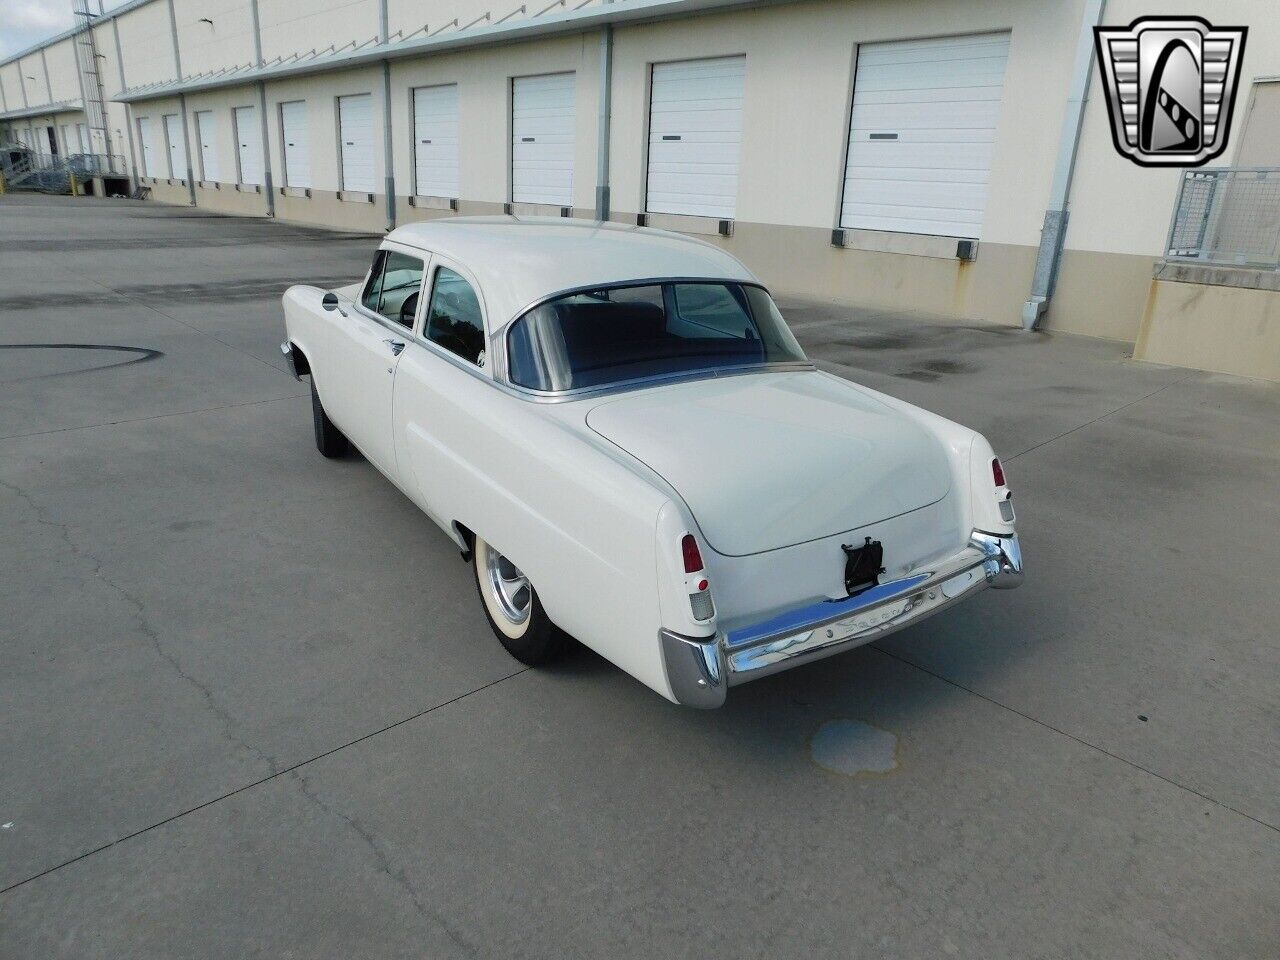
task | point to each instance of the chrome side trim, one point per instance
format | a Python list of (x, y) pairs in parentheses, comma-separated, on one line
[(287, 349), (695, 669)]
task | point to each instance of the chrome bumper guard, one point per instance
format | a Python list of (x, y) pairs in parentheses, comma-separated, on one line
[(287, 349), (701, 669)]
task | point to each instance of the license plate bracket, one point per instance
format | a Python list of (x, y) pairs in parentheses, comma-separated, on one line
[(863, 565)]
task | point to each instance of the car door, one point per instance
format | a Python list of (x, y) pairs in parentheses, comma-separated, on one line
[(443, 372), (372, 338)]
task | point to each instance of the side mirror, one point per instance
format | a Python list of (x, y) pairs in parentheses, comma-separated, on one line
[(330, 301)]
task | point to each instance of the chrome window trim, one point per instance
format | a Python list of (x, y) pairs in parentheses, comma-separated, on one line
[(501, 336)]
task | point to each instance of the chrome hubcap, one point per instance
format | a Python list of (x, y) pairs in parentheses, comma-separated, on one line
[(509, 587)]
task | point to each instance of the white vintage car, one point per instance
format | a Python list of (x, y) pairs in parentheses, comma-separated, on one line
[(621, 434)]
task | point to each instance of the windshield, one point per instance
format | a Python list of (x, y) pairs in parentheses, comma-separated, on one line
[(597, 337)]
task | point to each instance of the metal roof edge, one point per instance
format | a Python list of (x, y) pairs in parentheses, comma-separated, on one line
[(43, 109)]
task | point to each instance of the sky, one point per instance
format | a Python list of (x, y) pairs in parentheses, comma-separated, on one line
[(26, 22)]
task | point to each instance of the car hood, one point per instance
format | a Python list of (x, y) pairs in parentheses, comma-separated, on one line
[(769, 460)]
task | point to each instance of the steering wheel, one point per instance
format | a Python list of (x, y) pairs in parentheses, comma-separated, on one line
[(408, 309)]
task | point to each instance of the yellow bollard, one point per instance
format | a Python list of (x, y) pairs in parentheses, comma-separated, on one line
[(1, 184), (72, 177)]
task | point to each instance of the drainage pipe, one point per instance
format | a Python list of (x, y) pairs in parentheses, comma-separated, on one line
[(1054, 232), (182, 105), (128, 113), (267, 185), (602, 123)]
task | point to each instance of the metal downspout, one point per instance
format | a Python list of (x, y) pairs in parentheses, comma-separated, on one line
[(1054, 232), (182, 103), (388, 157), (602, 123), (267, 185), (128, 113)]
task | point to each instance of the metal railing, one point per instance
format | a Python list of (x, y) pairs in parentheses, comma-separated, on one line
[(25, 169), (1227, 216)]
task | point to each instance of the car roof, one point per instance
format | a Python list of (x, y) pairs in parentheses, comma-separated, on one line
[(521, 260)]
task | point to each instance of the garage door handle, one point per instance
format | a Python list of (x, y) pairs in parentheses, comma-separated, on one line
[(395, 345), (526, 139), (671, 136)]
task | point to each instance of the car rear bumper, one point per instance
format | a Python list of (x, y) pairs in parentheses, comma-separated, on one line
[(701, 669)]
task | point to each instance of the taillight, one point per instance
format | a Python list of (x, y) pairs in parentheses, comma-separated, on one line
[(997, 474), (692, 556), (695, 581)]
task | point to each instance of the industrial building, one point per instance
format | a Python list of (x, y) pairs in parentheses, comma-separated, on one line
[(952, 158)]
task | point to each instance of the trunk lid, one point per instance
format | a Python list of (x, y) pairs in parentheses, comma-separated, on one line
[(770, 460)]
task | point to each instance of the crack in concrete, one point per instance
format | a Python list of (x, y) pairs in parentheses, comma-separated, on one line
[(383, 864), (144, 625)]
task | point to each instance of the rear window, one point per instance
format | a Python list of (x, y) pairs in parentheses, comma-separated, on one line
[(598, 337)]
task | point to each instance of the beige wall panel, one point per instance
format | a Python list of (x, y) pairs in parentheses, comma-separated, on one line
[(1224, 329), (320, 93), (1259, 144), (324, 208), (227, 199), (221, 103), (172, 193), (204, 47), (798, 86), (290, 27), (9, 83), (484, 125), (147, 43), (63, 72)]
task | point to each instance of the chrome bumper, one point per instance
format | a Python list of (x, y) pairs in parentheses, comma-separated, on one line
[(701, 669)]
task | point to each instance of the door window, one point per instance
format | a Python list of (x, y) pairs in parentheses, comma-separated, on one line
[(454, 320), (395, 284)]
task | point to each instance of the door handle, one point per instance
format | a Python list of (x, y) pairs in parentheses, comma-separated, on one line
[(395, 345)]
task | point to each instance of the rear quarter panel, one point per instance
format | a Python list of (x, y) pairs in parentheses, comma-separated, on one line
[(575, 517)]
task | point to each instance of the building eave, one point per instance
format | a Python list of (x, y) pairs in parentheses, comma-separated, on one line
[(44, 110)]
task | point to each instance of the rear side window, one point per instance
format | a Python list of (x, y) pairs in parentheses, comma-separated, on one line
[(395, 284), (454, 320)]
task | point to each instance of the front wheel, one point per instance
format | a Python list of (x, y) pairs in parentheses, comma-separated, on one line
[(330, 441), (513, 610)]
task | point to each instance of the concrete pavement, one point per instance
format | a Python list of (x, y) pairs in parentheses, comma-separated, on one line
[(252, 708)]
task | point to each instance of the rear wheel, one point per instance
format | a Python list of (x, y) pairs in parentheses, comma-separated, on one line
[(512, 607), (330, 441)]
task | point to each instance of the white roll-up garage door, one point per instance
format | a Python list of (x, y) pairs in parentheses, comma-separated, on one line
[(542, 126), (176, 145), (695, 137), (206, 137), (922, 134), (296, 143), (355, 128), (150, 155), (248, 144), (435, 141)]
